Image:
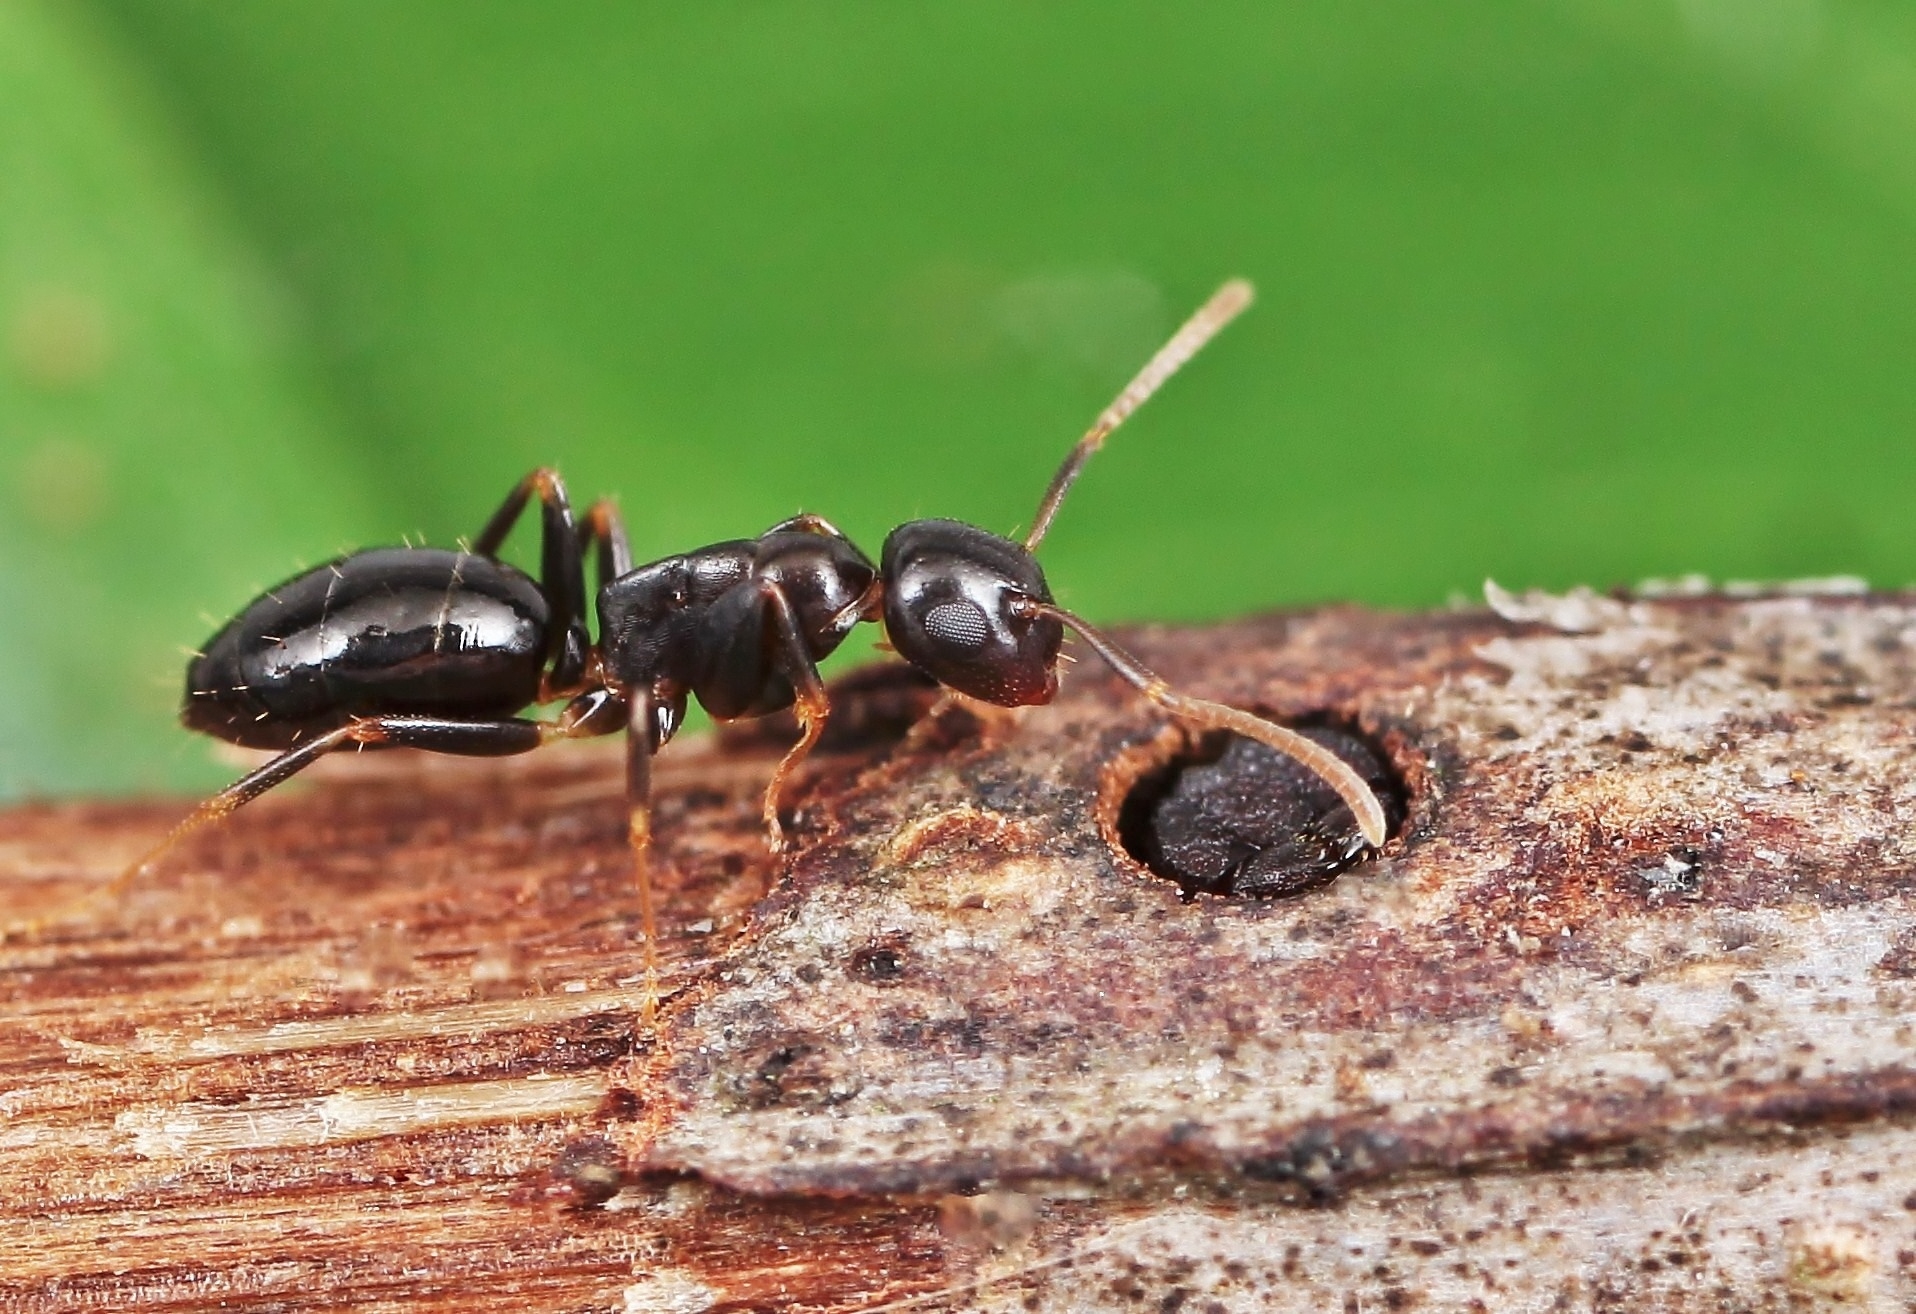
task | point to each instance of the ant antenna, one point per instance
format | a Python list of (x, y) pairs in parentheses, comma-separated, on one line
[(1326, 765), (1224, 306)]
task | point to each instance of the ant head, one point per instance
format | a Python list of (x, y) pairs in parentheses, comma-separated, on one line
[(955, 607)]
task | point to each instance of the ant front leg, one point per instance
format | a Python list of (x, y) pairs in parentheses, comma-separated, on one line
[(810, 702), (561, 574)]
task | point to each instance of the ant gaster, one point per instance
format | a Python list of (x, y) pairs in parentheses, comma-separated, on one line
[(427, 648)]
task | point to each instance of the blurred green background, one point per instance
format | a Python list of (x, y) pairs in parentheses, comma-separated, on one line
[(1560, 291)]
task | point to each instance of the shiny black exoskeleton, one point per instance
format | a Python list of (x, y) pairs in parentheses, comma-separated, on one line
[(436, 633), (741, 626), (407, 647), (955, 599), (440, 650), (426, 648)]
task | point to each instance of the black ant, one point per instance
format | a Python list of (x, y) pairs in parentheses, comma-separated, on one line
[(417, 647)]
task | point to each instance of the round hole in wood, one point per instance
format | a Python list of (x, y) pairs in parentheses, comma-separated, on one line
[(1218, 814)]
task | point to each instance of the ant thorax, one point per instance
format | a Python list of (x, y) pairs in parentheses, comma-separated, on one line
[(709, 621), (649, 617)]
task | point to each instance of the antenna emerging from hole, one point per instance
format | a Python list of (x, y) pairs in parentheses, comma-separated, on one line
[(1313, 756)]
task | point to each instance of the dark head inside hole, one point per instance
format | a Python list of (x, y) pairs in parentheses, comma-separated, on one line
[(1233, 817)]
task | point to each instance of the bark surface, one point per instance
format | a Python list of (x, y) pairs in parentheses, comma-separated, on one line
[(1624, 1017)]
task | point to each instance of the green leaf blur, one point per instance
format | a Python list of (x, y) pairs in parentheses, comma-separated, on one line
[(1557, 292)]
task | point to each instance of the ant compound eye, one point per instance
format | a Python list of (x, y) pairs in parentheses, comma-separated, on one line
[(980, 644), (958, 624)]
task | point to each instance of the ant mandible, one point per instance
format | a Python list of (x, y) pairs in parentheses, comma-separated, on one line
[(417, 647)]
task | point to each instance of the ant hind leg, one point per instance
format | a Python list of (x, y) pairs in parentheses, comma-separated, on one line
[(217, 808), (500, 738)]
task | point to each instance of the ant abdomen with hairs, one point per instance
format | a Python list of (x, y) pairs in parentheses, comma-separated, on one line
[(428, 648)]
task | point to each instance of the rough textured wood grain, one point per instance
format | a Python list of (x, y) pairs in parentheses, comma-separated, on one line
[(1622, 1020)]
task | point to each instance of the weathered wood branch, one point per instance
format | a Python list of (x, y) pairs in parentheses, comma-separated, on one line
[(1625, 1018)]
